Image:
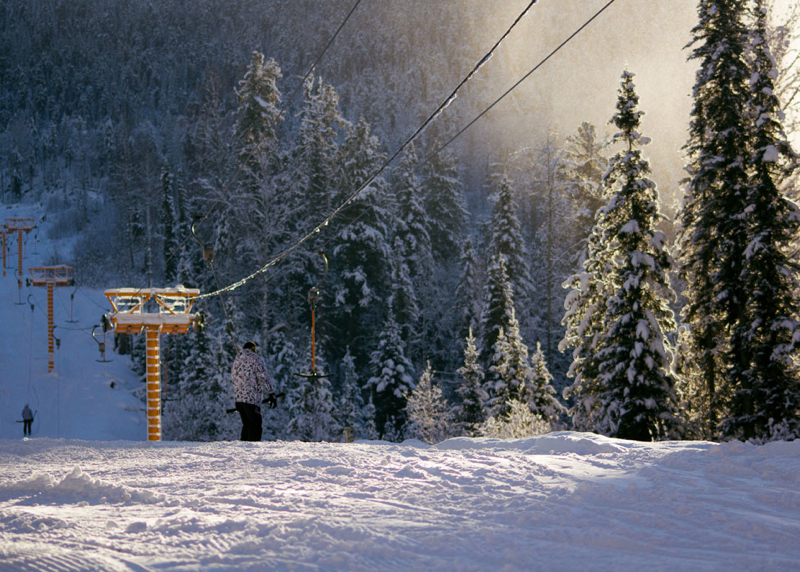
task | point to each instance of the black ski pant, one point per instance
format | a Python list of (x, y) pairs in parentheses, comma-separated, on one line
[(251, 421), (26, 426)]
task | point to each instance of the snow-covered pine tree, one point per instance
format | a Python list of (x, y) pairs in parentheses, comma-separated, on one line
[(542, 398), (403, 299), (316, 149), (168, 225), (583, 317), (392, 379), (312, 411), (411, 221), (444, 204), (467, 292), (361, 249), (429, 418), (350, 407), (306, 186), (714, 234), (257, 116), (370, 429), (506, 237), (471, 411), (498, 306), (510, 377), (765, 403), (633, 395)]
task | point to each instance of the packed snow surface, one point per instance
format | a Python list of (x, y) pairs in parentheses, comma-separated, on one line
[(563, 501)]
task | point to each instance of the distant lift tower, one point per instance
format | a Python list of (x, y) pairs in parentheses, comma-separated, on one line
[(156, 311), (50, 277), (19, 225), (4, 231)]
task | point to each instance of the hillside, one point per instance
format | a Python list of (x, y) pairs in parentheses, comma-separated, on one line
[(81, 399)]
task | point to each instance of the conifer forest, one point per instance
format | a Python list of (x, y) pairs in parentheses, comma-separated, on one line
[(532, 273)]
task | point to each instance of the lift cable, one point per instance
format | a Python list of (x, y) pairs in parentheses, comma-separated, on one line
[(523, 78), (447, 101), (542, 62)]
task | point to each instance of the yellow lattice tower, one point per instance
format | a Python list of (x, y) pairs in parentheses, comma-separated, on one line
[(171, 316), (18, 225), (50, 277)]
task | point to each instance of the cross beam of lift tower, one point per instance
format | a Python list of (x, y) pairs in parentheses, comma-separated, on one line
[(156, 311)]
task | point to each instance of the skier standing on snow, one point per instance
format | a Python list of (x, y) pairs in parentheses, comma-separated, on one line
[(27, 420), (250, 378)]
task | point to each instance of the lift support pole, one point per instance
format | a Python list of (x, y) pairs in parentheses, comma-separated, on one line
[(50, 277), (171, 316), (20, 225)]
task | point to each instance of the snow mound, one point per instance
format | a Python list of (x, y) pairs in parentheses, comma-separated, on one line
[(549, 444), (78, 487)]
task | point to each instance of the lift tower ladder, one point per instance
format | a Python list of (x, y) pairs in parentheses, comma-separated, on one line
[(156, 311)]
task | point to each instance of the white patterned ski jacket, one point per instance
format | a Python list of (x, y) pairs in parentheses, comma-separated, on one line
[(250, 377)]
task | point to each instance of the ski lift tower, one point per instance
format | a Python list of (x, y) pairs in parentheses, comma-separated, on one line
[(156, 311), (50, 277), (4, 232), (19, 225)]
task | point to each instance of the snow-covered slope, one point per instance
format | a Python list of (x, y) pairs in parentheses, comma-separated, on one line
[(81, 398), (564, 501)]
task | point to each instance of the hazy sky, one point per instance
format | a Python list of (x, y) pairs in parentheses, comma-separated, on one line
[(580, 83)]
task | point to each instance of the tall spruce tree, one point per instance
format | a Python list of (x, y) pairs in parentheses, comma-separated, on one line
[(714, 235), (392, 379), (467, 292), (349, 401), (498, 306), (403, 299), (360, 264), (411, 221), (635, 396), (506, 237), (765, 401), (170, 244), (257, 116), (444, 204), (585, 308), (542, 398), (471, 412)]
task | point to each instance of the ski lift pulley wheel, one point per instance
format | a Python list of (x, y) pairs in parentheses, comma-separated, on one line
[(208, 249)]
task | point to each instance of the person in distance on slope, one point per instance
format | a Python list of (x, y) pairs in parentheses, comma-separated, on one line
[(27, 420), (250, 377)]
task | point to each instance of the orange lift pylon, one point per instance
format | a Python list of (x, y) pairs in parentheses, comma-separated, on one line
[(50, 277), (4, 231), (172, 315), (19, 225)]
